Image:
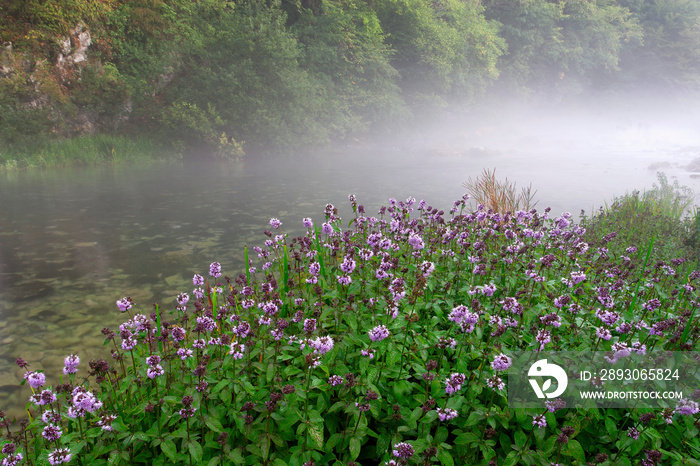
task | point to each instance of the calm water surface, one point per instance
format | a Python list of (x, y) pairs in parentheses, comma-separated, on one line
[(74, 241)]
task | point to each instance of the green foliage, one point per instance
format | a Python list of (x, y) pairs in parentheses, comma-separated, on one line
[(670, 54), (565, 46), (638, 217), (443, 48), (80, 150), (344, 51), (322, 358)]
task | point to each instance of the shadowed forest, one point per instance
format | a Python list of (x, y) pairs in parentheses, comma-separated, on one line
[(230, 78)]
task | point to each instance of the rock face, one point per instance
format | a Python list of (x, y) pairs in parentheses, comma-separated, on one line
[(74, 47)]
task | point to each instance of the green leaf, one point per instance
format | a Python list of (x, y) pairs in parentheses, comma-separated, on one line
[(265, 446), (168, 449), (214, 424), (316, 434), (195, 450), (214, 461), (520, 439), (576, 450), (445, 457), (355, 444)]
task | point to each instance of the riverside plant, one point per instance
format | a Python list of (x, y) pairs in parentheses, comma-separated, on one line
[(384, 342)]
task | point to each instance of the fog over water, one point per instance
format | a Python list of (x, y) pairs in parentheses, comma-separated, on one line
[(73, 241)]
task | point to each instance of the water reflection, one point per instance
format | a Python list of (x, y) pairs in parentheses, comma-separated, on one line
[(74, 241)]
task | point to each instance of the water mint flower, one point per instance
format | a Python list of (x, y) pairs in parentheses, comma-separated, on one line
[(35, 379), (215, 269), (501, 362), (61, 455), (539, 421), (454, 383), (125, 304), (446, 414), (307, 222), (237, 350), (275, 223), (321, 345), (70, 364), (403, 450), (378, 333), (51, 433), (197, 280), (687, 407), (335, 380), (155, 371)]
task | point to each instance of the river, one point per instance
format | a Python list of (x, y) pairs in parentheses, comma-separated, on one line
[(73, 241)]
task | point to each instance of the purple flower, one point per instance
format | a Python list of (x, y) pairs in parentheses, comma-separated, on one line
[(416, 242), (322, 345), (446, 414), (307, 222), (378, 333), (153, 360), (603, 333), (555, 405), (236, 350), (85, 400), (106, 422), (344, 279), (335, 380), (633, 432), (178, 333), (46, 397), (314, 268), (454, 383), (215, 269), (61, 455), (197, 280), (309, 325), (187, 412), (51, 433), (348, 265), (501, 362), (543, 337), (539, 421), (71, 364), (327, 228), (403, 450), (275, 223), (184, 353), (496, 383), (35, 379), (369, 352), (155, 371), (687, 407), (125, 304)]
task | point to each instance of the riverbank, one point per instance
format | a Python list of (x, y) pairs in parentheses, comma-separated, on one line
[(87, 150)]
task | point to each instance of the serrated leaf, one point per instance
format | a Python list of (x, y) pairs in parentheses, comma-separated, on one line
[(445, 457), (214, 461), (576, 450), (265, 447), (195, 450), (168, 449), (316, 434), (355, 445), (213, 424)]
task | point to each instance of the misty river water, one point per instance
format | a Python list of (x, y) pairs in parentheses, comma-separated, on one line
[(73, 241)]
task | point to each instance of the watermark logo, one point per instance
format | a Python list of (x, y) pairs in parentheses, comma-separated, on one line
[(542, 368)]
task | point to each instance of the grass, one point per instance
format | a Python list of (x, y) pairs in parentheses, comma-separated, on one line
[(386, 341), (82, 150), (499, 196)]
